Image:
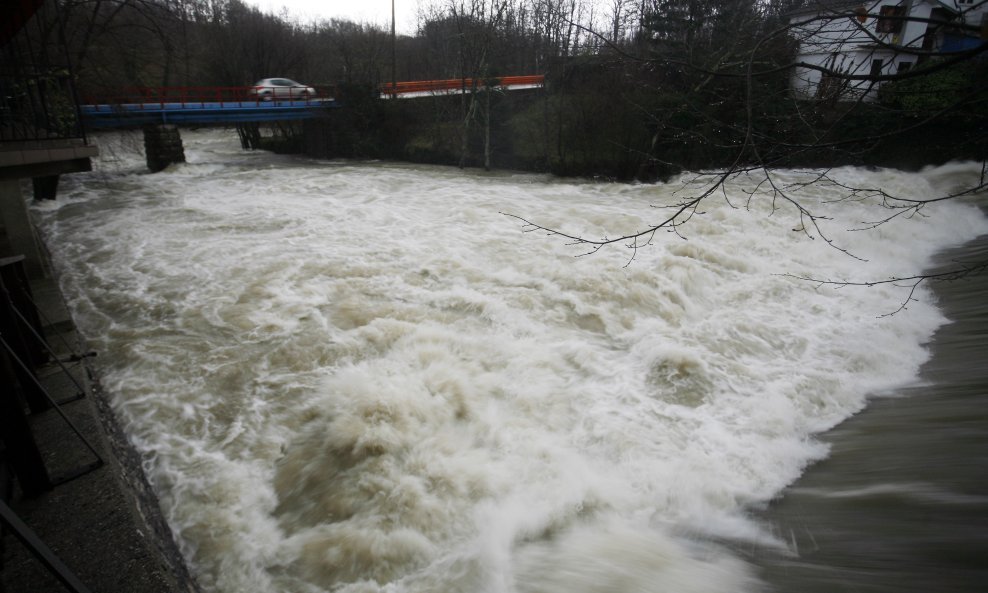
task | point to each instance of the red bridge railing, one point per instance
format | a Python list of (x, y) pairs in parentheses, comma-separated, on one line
[(456, 84)]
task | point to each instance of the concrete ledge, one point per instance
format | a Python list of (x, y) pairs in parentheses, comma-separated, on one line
[(21, 160)]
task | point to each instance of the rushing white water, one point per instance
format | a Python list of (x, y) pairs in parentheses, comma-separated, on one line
[(362, 377)]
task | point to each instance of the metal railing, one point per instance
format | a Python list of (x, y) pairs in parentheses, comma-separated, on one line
[(38, 107), (37, 96)]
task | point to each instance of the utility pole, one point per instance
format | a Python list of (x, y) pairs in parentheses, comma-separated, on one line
[(394, 54)]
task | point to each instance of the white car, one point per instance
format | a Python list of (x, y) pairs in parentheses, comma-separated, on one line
[(282, 88)]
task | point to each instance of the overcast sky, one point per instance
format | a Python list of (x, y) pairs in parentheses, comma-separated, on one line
[(373, 11)]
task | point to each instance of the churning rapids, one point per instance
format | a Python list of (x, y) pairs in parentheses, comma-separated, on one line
[(364, 377)]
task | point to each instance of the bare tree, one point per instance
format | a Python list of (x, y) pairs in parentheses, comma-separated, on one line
[(802, 82)]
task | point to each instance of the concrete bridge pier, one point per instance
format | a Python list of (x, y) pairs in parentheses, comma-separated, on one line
[(19, 232), (45, 187), (162, 146)]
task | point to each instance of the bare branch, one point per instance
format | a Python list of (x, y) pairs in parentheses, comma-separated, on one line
[(911, 282)]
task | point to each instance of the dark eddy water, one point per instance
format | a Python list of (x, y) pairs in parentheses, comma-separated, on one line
[(901, 504)]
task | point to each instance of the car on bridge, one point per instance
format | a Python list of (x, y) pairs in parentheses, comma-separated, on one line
[(281, 88)]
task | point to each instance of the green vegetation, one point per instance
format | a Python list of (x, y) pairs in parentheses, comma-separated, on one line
[(957, 88)]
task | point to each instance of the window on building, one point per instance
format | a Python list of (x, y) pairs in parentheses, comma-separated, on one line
[(904, 66), (876, 67), (890, 19)]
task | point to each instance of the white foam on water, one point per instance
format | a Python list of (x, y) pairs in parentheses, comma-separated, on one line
[(362, 377)]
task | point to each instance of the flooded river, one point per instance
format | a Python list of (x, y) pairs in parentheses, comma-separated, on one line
[(365, 377)]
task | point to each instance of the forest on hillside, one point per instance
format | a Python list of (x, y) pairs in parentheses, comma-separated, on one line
[(116, 43)]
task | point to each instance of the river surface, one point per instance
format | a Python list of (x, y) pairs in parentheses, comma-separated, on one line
[(365, 377)]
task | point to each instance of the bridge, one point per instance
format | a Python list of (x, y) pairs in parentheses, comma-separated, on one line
[(201, 105), (200, 112), (160, 109), (198, 105)]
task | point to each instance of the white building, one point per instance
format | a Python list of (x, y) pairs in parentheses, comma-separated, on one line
[(876, 38)]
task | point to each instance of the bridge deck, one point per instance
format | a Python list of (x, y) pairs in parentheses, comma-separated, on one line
[(129, 114)]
